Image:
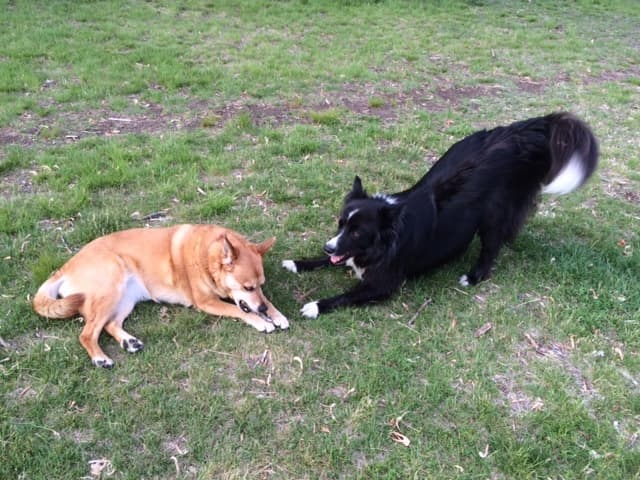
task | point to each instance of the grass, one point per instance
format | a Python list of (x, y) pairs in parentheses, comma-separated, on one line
[(257, 116)]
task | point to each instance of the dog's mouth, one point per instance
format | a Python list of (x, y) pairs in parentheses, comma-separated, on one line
[(338, 259), (244, 306)]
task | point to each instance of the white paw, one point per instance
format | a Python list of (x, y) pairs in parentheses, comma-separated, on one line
[(290, 265), (265, 327), (464, 281), (280, 321), (132, 344), (310, 310), (103, 362)]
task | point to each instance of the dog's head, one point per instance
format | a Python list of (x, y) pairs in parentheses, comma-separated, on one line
[(366, 228), (243, 273)]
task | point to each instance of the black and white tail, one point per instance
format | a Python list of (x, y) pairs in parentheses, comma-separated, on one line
[(574, 154)]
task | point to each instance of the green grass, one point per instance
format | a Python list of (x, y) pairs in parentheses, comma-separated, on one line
[(257, 116)]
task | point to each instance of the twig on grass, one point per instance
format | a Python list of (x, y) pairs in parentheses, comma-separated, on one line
[(66, 245), (175, 461), (424, 305)]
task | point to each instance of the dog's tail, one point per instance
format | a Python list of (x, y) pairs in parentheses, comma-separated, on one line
[(47, 303), (574, 154)]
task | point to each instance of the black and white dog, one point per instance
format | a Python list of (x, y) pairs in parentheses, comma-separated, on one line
[(486, 183)]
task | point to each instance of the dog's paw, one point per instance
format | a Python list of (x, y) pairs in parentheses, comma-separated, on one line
[(290, 265), (310, 310), (464, 281), (280, 321), (103, 362), (267, 327), (132, 345)]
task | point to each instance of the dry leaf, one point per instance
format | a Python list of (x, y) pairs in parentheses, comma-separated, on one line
[(485, 453), (98, 467), (400, 438), (537, 404), (299, 360), (483, 329)]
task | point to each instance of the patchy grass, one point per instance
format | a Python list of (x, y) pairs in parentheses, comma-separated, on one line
[(257, 116)]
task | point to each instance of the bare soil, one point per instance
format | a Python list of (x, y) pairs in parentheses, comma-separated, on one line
[(391, 102)]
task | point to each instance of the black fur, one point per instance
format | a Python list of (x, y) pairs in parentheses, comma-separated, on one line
[(486, 184)]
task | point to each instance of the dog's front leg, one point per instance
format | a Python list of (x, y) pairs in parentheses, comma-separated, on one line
[(218, 307), (363, 293), (297, 266)]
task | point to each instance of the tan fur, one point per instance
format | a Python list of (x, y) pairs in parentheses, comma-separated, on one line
[(190, 265)]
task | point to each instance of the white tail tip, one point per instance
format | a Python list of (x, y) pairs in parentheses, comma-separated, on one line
[(569, 178)]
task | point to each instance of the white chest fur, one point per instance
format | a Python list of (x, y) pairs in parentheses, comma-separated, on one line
[(356, 269)]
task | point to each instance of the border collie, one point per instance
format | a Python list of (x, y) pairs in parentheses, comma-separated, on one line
[(487, 183)]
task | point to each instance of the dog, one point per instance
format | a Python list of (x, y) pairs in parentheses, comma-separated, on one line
[(204, 266), (485, 184)]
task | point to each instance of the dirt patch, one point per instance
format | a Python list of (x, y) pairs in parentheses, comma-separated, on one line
[(633, 72), (558, 353), (19, 181), (529, 353), (453, 94), (515, 397), (385, 100), (619, 187), (176, 446)]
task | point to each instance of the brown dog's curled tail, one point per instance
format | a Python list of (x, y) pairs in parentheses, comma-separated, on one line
[(47, 305)]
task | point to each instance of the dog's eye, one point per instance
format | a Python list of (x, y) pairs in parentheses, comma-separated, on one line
[(355, 234), (249, 289)]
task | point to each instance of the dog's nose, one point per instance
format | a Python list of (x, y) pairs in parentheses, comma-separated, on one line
[(329, 249), (263, 308)]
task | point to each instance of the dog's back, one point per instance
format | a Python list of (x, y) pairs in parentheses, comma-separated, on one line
[(556, 152), (488, 183), (491, 180)]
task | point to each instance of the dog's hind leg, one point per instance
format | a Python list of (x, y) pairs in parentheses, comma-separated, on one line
[(114, 328), (297, 266), (492, 242), (133, 292), (494, 232), (96, 314)]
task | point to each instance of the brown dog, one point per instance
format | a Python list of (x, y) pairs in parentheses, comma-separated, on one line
[(190, 265)]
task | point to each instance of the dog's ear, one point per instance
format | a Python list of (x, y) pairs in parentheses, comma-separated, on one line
[(356, 190), (228, 252), (391, 216), (263, 247), (388, 215)]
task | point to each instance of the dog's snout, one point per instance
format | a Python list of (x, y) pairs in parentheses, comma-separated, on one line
[(329, 248), (263, 308)]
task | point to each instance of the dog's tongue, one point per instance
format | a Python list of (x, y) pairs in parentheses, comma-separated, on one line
[(336, 258)]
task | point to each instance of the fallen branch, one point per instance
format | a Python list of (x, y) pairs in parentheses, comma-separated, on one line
[(426, 303)]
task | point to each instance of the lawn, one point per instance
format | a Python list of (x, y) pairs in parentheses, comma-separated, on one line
[(257, 116)]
